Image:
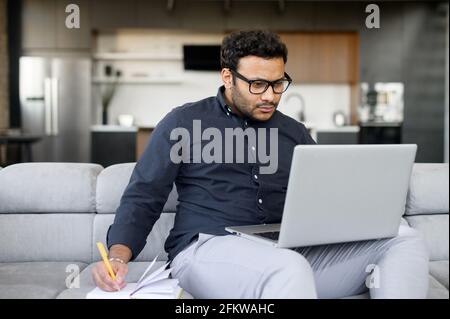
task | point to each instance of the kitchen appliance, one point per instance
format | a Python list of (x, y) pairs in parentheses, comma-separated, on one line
[(201, 57), (381, 102), (55, 97), (301, 100), (381, 113)]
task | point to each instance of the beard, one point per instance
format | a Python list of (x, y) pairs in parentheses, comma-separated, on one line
[(244, 106)]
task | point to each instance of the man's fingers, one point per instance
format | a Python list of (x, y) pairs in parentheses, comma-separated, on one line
[(106, 278), (98, 281), (121, 273)]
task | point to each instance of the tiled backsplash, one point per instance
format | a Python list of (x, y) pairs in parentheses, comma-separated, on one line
[(320, 103)]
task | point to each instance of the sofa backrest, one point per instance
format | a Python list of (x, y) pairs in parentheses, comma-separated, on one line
[(47, 211), (427, 207), (58, 211)]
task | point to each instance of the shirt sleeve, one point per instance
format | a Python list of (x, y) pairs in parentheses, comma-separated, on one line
[(144, 197), (305, 136)]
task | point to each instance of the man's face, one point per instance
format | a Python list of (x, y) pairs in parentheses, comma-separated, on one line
[(259, 107)]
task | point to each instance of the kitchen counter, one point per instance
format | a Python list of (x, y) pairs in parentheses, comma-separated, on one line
[(113, 128), (347, 134), (324, 132), (339, 129), (380, 124)]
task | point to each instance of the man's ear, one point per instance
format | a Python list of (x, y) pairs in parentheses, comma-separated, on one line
[(227, 78)]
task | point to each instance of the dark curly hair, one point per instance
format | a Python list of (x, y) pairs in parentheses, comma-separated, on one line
[(260, 43)]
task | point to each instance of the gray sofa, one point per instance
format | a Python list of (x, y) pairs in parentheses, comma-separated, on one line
[(52, 214)]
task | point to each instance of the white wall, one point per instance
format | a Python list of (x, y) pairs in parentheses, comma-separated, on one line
[(149, 103)]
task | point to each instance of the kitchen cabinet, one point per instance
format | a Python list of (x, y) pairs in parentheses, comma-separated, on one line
[(338, 135), (112, 14), (322, 57), (112, 146), (154, 14), (380, 133), (38, 24), (44, 28), (73, 38), (142, 138)]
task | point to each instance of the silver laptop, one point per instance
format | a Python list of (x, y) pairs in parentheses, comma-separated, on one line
[(340, 193)]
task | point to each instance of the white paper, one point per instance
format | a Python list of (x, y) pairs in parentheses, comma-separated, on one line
[(156, 285)]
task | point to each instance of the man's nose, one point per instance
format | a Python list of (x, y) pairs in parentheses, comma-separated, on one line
[(268, 95)]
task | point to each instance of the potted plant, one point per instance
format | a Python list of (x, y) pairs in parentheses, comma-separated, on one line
[(108, 92)]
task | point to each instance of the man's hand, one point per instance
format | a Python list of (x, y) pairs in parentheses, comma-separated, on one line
[(100, 273), (104, 281)]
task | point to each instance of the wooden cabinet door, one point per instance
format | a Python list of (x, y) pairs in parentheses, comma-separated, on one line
[(322, 57), (44, 25)]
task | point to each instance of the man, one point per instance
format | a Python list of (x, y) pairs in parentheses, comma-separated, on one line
[(226, 186)]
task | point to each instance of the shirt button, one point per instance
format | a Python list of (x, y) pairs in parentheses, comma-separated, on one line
[(256, 176), (260, 201)]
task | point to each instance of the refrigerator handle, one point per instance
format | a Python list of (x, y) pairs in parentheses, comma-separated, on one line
[(48, 106), (55, 106)]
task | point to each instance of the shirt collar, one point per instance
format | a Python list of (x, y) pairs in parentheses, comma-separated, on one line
[(221, 99), (226, 108)]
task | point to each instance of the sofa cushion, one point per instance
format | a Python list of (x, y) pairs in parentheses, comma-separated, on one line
[(48, 188), (155, 240), (45, 237), (34, 280), (365, 295), (439, 270), (434, 229), (428, 190), (437, 290), (111, 184)]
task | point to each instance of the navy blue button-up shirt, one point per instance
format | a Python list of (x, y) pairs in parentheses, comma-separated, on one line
[(212, 194)]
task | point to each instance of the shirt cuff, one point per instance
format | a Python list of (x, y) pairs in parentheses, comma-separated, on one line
[(130, 235)]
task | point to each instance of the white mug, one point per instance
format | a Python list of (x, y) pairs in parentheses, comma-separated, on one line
[(125, 120)]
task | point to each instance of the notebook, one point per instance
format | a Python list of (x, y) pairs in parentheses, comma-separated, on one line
[(152, 285)]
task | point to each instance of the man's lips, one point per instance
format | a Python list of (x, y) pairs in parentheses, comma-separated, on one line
[(266, 108)]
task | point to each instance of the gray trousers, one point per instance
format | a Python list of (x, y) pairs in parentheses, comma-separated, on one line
[(235, 267)]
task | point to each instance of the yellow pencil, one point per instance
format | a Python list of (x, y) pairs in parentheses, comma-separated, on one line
[(102, 251)]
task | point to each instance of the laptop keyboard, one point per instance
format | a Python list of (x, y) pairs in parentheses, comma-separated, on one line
[(270, 235)]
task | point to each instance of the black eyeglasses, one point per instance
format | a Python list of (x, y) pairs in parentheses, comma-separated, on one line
[(259, 86)]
